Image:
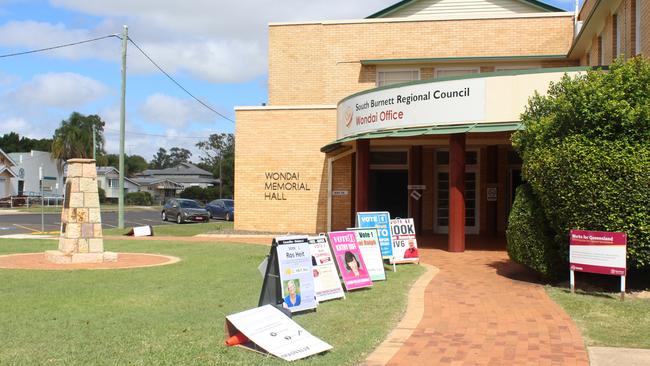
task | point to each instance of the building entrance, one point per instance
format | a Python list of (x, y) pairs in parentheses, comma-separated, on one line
[(388, 192)]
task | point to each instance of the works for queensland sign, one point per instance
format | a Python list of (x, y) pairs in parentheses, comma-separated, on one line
[(426, 104), (598, 252)]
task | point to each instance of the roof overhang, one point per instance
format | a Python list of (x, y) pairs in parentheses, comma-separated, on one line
[(592, 26), (424, 131), (9, 171), (397, 6)]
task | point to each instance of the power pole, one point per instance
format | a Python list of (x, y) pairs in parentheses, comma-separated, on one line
[(120, 197), (94, 144), (40, 179), (220, 177)]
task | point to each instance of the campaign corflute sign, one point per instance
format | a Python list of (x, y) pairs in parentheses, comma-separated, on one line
[(326, 278), (349, 259), (296, 278), (381, 221), (405, 245)]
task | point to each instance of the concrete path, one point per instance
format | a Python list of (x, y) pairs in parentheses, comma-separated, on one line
[(610, 356), (478, 312)]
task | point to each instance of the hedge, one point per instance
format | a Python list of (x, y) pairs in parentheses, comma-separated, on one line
[(139, 199), (530, 239), (201, 194)]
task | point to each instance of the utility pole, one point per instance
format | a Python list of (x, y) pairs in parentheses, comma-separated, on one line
[(220, 178), (94, 145), (40, 179), (120, 197)]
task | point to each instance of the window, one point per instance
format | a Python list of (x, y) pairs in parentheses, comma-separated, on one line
[(601, 51), (618, 29), (389, 77), (456, 71), (519, 67), (113, 183)]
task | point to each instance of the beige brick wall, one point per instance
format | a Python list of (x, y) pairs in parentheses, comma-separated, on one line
[(319, 63), (269, 141), (342, 205)]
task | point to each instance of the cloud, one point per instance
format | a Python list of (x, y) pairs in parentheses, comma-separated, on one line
[(173, 112), (62, 90)]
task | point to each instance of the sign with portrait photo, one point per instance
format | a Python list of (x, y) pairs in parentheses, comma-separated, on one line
[(368, 242), (326, 279), (296, 278), (405, 245), (349, 259)]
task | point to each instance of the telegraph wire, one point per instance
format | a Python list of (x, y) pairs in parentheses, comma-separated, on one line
[(59, 46), (176, 82), (157, 135)]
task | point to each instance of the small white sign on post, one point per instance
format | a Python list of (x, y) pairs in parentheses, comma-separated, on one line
[(270, 331)]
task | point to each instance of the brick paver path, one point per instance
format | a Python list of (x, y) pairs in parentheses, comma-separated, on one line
[(478, 311)]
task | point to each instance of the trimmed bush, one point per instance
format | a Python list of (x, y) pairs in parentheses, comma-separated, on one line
[(201, 194), (530, 239), (102, 194), (139, 199)]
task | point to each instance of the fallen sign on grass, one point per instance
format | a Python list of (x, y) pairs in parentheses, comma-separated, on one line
[(140, 231), (267, 330)]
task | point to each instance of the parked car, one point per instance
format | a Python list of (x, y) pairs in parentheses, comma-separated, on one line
[(182, 210), (222, 209)]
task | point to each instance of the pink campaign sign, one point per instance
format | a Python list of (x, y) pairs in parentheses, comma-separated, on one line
[(598, 252), (349, 260)]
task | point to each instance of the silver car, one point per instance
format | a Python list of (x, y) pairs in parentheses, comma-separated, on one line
[(183, 210)]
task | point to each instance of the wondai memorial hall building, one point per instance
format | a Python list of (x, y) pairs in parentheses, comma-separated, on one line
[(411, 109)]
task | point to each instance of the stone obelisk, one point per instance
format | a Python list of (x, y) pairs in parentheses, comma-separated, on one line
[(81, 240)]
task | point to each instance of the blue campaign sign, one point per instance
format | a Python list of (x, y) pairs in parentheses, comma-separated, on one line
[(380, 220)]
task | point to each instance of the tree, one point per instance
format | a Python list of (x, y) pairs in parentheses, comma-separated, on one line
[(132, 163), (179, 155), (218, 157), (586, 155), (74, 138), (12, 142), (161, 160)]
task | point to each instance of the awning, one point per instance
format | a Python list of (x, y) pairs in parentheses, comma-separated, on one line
[(427, 130)]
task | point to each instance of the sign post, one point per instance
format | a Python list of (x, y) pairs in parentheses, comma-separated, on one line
[(598, 252)]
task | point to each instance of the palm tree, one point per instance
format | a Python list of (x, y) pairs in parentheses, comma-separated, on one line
[(74, 139)]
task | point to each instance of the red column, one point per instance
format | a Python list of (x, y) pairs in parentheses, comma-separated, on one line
[(362, 175), (456, 238)]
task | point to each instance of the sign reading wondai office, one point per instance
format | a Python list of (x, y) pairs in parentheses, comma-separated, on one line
[(430, 103), (296, 278)]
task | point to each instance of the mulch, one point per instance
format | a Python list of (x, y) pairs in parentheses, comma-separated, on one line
[(37, 261)]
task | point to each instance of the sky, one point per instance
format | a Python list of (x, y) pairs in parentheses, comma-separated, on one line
[(215, 49)]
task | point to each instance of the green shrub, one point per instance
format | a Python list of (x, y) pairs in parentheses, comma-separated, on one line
[(201, 194), (586, 154), (530, 240), (102, 194), (139, 199)]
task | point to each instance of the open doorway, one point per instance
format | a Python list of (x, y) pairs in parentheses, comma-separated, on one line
[(388, 192)]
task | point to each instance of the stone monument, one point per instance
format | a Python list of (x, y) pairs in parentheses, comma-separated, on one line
[(81, 240)]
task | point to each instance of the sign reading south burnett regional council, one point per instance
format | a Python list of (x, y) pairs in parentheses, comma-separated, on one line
[(439, 103)]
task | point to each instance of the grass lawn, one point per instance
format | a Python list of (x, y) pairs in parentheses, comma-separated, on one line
[(188, 229), (605, 320), (171, 315)]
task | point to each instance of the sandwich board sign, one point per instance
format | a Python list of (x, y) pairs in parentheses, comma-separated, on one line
[(288, 280), (598, 252), (268, 330), (349, 259), (405, 245), (368, 241), (327, 283), (381, 221)]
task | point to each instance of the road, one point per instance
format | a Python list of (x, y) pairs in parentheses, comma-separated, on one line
[(31, 222)]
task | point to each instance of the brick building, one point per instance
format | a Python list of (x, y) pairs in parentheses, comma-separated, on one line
[(410, 110)]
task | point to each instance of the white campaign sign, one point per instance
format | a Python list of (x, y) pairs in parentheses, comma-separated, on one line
[(326, 277), (276, 334), (405, 244), (368, 240), (439, 103), (296, 276)]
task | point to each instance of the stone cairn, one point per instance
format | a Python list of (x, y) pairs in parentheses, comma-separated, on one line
[(81, 224)]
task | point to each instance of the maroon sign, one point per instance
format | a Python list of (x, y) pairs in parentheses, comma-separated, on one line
[(598, 252)]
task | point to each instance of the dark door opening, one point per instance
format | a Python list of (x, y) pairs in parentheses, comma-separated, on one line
[(388, 192), (21, 187)]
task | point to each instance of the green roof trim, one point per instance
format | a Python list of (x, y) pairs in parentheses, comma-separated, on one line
[(474, 76), (426, 130), (382, 13), (460, 58)]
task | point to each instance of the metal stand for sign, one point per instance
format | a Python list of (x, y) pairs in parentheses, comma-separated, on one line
[(271, 288), (572, 280)]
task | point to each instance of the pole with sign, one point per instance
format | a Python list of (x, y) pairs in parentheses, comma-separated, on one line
[(598, 252)]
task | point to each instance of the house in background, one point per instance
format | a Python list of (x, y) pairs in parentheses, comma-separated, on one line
[(6, 174), (108, 178), (160, 189), (27, 174), (184, 174)]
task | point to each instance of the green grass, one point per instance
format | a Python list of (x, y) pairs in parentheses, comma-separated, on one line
[(188, 229), (605, 320), (171, 315)]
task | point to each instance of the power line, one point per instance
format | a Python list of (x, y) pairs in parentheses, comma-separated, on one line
[(56, 47), (157, 135), (177, 83)]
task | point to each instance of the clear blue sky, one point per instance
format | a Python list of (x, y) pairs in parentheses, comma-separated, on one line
[(216, 49)]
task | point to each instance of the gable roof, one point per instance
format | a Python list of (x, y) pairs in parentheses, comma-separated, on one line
[(180, 169), (543, 7), (8, 158), (6, 169)]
